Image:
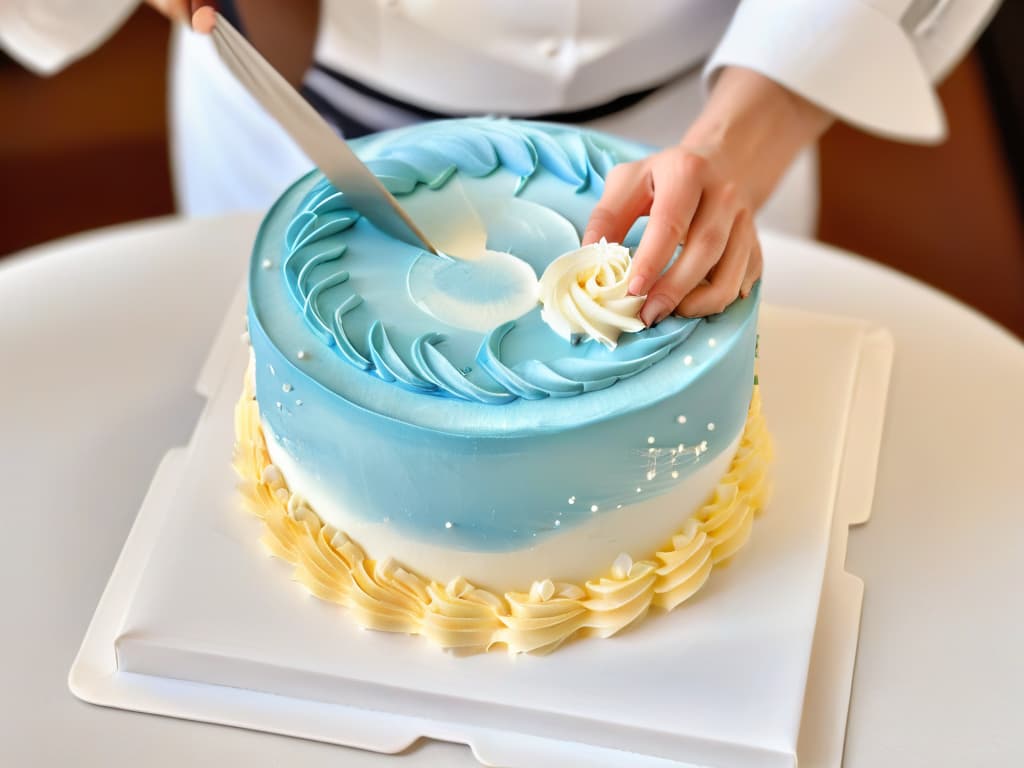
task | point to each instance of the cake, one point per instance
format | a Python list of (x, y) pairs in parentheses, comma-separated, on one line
[(490, 451)]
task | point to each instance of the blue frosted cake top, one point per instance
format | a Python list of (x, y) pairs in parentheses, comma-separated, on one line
[(327, 284)]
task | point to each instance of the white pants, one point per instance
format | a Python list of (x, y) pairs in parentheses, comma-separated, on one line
[(228, 154)]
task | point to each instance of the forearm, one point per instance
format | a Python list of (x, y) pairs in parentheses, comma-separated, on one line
[(752, 128)]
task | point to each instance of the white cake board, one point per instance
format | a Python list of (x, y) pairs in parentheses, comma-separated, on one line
[(197, 623)]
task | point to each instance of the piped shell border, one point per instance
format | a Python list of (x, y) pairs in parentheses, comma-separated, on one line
[(384, 595)]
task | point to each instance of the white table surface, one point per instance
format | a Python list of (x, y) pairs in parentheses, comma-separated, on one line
[(101, 339)]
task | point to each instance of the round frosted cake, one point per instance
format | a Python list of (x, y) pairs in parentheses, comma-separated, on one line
[(489, 450)]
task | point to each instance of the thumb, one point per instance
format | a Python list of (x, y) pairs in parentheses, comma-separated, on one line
[(204, 16)]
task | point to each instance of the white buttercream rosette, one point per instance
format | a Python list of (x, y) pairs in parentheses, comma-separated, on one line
[(585, 294)]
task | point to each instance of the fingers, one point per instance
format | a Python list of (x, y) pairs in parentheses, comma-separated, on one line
[(688, 203), (754, 268), (201, 12), (727, 276), (626, 196), (705, 245), (203, 16), (677, 181)]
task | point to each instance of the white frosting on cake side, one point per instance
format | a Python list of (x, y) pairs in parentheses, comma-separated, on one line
[(635, 530)]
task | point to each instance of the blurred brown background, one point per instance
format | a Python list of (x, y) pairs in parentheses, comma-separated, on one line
[(949, 215)]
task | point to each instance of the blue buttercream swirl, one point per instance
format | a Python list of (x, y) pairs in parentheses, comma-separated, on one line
[(569, 376), (430, 156)]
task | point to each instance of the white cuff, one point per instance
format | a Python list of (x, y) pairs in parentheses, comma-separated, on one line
[(47, 35), (850, 57), (944, 30)]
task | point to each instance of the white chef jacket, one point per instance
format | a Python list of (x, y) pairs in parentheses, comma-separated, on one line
[(871, 63)]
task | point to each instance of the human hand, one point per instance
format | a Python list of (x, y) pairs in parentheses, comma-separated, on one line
[(197, 12), (691, 200), (704, 193)]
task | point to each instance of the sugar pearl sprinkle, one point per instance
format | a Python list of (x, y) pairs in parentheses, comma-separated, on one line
[(572, 499), (688, 360), (622, 566), (302, 354), (671, 456), (286, 388), (448, 524), (558, 523), (594, 507), (712, 342), (267, 264)]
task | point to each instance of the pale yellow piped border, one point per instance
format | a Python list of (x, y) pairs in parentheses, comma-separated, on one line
[(383, 595)]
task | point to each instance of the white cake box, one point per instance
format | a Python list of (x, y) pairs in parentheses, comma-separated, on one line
[(197, 622)]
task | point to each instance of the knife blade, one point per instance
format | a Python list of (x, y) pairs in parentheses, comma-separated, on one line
[(331, 154)]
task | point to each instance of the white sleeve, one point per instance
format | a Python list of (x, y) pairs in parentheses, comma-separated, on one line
[(46, 35), (871, 63)]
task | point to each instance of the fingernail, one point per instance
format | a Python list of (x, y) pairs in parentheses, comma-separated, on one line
[(636, 286), (655, 310)]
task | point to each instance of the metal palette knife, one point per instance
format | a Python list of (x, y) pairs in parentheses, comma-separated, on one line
[(363, 191)]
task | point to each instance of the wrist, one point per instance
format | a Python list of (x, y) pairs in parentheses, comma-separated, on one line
[(752, 128)]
